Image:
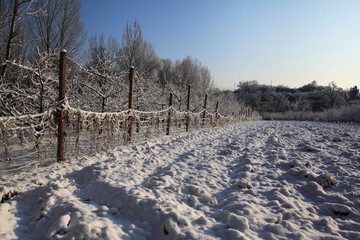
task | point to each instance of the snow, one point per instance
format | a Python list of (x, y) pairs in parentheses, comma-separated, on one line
[(255, 180)]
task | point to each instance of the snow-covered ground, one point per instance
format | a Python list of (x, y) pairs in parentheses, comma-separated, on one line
[(256, 180)]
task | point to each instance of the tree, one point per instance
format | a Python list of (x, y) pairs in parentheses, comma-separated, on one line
[(248, 86), (228, 104), (32, 89), (136, 52), (31, 32), (354, 91), (100, 86), (58, 26), (177, 77), (249, 92), (311, 87), (12, 13), (333, 97)]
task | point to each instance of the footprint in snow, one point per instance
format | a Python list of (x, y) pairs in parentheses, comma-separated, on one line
[(201, 194), (338, 210), (244, 184), (248, 168), (326, 180), (309, 148)]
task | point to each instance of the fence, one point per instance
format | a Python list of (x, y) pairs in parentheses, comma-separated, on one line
[(64, 133)]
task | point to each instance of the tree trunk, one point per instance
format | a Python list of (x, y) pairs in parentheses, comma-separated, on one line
[(10, 37)]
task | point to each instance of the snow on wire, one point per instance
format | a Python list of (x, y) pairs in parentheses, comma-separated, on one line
[(32, 139)]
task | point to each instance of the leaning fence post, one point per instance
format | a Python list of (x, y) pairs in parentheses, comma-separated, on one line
[(169, 117), (204, 114), (131, 104), (61, 113), (188, 109)]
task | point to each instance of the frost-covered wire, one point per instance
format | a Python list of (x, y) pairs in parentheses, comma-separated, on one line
[(28, 137)]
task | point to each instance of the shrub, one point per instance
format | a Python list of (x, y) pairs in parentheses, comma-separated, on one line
[(343, 114)]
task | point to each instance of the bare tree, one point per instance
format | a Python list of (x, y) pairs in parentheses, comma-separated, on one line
[(189, 72), (58, 26), (137, 52), (11, 15)]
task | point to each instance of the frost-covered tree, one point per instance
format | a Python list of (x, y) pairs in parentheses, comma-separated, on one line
[(100, 84), (32, 89), (184, 73), (311, 87), (31, 35), (249, 92), (333, 97), (227, 103), (248, 86), (353, 92)]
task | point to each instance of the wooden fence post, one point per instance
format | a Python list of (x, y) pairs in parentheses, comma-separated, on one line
[(131, 102), (169, 117), (216, 113), (188, 109), (204, 114), (61, 113), (131, 87)]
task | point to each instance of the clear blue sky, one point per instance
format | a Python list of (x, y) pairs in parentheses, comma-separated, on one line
[(283, 42)]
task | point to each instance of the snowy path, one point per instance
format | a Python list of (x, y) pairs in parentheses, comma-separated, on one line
[(257, 180)]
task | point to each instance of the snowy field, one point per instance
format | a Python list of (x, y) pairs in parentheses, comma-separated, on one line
[(256, 180)]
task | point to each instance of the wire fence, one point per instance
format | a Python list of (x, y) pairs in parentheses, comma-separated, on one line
[(64, 133), (27, 140), (32, 139)]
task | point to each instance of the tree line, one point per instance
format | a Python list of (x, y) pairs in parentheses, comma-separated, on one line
[(310, 97), (34, 32)]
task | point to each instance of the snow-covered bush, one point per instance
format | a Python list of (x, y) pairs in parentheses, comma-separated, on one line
[(345, 114)]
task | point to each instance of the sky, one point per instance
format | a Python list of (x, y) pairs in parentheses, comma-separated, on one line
[(278, 42)]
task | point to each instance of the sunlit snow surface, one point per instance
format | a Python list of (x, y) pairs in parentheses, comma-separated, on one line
[(256, 180)]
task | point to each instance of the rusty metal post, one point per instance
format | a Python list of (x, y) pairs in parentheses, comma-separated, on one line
[(169, 117), (131, 102), (61, 113), (188, 109)]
